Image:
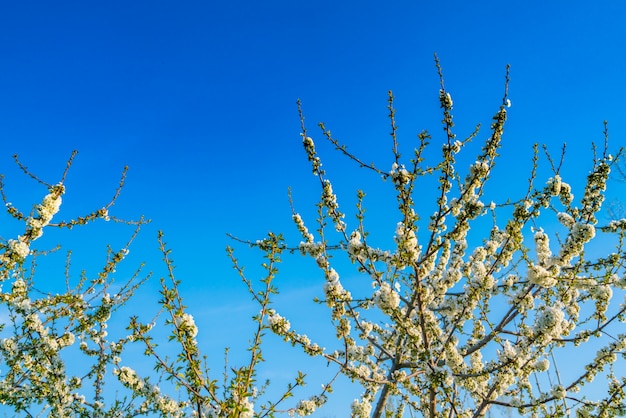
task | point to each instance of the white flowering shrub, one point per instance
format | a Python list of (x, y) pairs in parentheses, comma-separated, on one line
[(514, 303), (58, 359), (41, 329), (517, 303)]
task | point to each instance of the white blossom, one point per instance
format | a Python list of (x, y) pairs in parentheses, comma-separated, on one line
[(306, 407), (247, 408), (278, 324), (558, 391), (386, 298), (550, 323), (361, 409), (19, 247), (186, 324), (129, 377), (399, 174)]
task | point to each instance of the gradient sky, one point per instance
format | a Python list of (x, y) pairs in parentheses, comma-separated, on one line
[(198, 99)]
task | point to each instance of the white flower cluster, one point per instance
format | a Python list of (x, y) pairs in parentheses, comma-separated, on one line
[(542, 365), (437, 222), (542, 246), (399, 174), (154, 399), (306, 407), (314, 249), (445, 99), (167, 406), (566, 196), (49, 207), (19, 289), (580, 234), (454, 147), (309, 147), (361, 409), (594, 191), (9, 346), (479, 169), (478, 265), (566, 219), (355, 247), (469, 203), (558, 391), (358, 251), (523, 300), (19, 247), (208, 411), (329, 199), (550, 323), (129, 377), (386, 298), (333, 288), (408, 248), (247, 408), (242, 408), (45, 211), (104, 214), (508, 352), (359, 353), (615, 225), (302, 228), (278, 324), (554, 185), (541, 276), (601, 293), (186, 324)]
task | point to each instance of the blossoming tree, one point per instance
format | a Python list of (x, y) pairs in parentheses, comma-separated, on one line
[(475, 306), (461, 320), (58, 359)]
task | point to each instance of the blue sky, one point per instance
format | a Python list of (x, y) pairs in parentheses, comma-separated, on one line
[(198, 99)]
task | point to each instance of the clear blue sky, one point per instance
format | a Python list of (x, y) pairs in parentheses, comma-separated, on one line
[(198, 98)]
